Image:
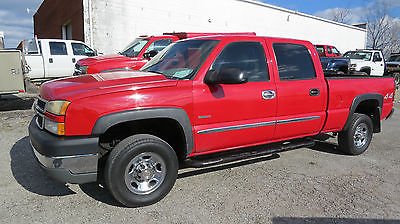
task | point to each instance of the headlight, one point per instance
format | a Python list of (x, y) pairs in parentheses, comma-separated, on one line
[(54, 127), (57, 107)]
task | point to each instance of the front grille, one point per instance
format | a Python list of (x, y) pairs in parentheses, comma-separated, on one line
[(39, 106)]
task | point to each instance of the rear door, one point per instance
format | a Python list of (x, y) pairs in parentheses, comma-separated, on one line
[(233, 115), (57, 59), (301, 89)]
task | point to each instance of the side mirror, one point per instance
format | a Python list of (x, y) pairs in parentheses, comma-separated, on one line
[(225, 76), (150, 54)]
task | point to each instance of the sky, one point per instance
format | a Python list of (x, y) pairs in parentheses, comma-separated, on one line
[(17, 23)]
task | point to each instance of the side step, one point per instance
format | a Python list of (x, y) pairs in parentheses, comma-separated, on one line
[(245, 153)]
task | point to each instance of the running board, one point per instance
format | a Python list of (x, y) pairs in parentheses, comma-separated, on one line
[(245, 153)]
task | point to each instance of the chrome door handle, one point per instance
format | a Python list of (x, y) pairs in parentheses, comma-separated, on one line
[(268, 94)]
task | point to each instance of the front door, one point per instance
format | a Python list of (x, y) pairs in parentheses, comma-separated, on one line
[(227, 116)]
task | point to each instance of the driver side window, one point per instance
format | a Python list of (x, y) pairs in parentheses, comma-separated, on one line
[(249, 57)]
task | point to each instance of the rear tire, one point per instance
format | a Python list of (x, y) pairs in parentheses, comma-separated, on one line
[(356, 139), (141, 170)]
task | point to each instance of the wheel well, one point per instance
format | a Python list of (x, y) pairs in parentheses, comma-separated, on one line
[(366, 70), (371, 108), (165, 128)]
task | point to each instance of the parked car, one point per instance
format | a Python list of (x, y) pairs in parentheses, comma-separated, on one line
[(335, 65), (199, 102), (327, 51), (53, 58), (393, 67), (370, 62), (12, 71), (136, 54)]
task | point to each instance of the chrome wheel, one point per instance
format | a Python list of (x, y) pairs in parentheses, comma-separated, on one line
[(360, 137), (145, 173)]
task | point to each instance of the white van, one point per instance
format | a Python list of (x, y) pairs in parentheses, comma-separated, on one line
[(53, 58)]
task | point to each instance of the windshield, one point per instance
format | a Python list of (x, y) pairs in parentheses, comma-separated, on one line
[(181, 60), (135, 47), (366, 56), (394, 58)]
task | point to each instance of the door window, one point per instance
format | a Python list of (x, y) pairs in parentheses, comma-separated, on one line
[(294, 61), (335, 51), (58, 48), (81, 49), (329, 50), (377, 57), (249, 57), (158, 45)]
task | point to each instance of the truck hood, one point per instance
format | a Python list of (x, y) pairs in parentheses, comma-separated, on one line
[(90, 85), (106, 58)]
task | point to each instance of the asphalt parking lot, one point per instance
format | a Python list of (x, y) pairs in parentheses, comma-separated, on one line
[(307, 185)]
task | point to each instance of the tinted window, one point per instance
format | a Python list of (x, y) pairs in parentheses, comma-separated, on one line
[(320, 50), (377, 57), (159, 45), (329, 50), (249, 57), (81, 49), (58, 48), (294, 61)]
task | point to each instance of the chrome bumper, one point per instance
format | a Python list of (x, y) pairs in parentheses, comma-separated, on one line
[(76, 164), (77, 169)]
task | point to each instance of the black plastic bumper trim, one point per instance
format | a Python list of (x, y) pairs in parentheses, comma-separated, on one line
[(51, 145)]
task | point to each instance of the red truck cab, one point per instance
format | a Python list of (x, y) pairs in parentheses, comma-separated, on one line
[(199, 102), (327, 51), (136, 54)]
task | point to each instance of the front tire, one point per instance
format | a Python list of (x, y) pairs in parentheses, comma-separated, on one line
[(356, 139), (141, 170)]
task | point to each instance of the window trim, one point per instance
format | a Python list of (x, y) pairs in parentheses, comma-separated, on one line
[(296, 79), (245, 41)]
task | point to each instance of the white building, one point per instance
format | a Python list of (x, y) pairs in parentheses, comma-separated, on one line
[(109, 25)]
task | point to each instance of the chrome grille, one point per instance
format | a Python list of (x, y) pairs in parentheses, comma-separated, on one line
[(39, 106)]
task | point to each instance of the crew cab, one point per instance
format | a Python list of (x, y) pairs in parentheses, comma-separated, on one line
[(327, 51), (53, 58), (136, 54), (199, 102), (370, 62)]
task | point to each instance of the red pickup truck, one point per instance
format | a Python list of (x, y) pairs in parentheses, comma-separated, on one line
[(136, 54), (199, 102), (327, 51)]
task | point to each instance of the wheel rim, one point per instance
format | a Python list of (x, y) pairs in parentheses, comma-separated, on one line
[(145, 173), (360, 135)]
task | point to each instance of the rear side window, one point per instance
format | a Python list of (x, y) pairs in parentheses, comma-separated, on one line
[(58, 48), (294, 61), (249, 57), (329, 50)]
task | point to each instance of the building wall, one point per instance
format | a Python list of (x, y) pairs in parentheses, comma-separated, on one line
[(53, 14), (111, 24)]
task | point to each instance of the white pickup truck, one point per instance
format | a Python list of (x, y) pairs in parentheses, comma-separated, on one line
[(370, 62), (53, 58)]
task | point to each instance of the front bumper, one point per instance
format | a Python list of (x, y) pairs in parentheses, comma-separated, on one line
[(66, 159)]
